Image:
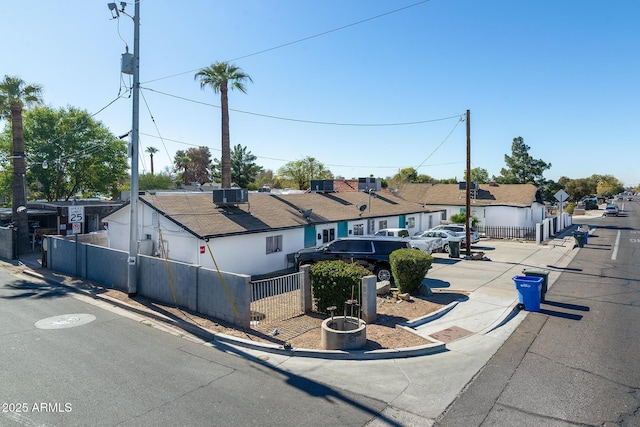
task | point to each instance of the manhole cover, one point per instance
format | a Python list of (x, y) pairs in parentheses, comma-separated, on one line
[(65, 321), (451, 334)]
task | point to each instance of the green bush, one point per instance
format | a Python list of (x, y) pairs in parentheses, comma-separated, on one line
[(461, 218), (409, 266), (334, 282), (571, 206)]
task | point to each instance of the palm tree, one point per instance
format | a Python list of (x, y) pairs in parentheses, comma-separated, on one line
[(14, 95), (219, 76), (151, 151)]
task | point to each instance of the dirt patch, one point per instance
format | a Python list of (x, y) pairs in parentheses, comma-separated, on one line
[(299, 332), (304, 331)]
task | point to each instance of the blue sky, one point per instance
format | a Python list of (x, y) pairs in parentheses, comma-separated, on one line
[(562, 74)]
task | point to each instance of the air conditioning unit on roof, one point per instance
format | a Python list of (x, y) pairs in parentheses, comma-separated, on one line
[(369, 184), (322, 185), (230, 196)]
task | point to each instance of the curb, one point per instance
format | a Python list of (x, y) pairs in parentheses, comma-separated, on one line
[(213, 337)]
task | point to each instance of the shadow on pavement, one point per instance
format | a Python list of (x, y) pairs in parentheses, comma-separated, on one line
[(436, 283), (560, 314), (447, 261), (567, 306)]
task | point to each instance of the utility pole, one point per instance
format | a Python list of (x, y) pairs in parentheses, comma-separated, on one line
[(468, 185), (132, 271)]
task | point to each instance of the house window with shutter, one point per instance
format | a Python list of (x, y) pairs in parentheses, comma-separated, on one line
[(274, 244)]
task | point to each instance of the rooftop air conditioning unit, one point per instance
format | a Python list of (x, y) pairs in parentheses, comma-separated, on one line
[(463, 185), (322, 185), (230, 196), (369, 184)]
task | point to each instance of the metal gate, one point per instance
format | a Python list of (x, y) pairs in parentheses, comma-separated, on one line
[(276, 299)]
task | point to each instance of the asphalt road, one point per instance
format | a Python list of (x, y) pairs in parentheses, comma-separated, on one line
[(576, 363), (71, 361)]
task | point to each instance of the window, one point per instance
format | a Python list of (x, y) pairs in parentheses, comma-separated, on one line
[(382, 224), (274, 244), (328, 235), (360, 246), (358, 229), (340, 246), (411, 222)]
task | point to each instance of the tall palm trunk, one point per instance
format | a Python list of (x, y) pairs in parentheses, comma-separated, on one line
[(19, 180), (225, 161), (151, 155)]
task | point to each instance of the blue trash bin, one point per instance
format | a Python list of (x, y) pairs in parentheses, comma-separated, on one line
[(529, 291)]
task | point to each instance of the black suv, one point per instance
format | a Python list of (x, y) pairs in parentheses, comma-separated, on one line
[(372, 253)]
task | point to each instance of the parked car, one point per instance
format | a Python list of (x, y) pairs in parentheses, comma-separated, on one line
[(474, 236), (427, 243), (392, 232), (446, 236), (611, 210), (370, 252)]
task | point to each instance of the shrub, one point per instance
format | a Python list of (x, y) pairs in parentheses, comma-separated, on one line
[(409, 266), (571, 206), (461, 218), (334, 282)]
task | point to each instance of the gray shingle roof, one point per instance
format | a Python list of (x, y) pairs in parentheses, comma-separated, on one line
[(196, 212), (519, 195)]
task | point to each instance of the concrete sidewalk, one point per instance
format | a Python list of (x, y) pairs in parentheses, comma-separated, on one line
[(418, 389)]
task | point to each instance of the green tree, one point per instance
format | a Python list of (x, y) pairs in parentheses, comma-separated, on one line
[(580, 188), (82, 156), (194, 165), (521, 167), (549, 190), (151, 151), (15, 94), (148, 181), (221, 76), (607, 185), (405, 176), (479, 175), (265, 177), (301, 172), (243, 167)]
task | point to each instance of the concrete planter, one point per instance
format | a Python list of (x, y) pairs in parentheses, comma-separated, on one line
[(343, 333)]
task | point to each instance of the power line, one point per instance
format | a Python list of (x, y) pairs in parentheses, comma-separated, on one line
[(440, 145), (369, 166), (314, 122), (324, 33)]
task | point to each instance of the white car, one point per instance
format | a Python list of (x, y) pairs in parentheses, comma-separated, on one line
[(611, 209), (474, 236), (392, 232), (445, 235), (428, 244)]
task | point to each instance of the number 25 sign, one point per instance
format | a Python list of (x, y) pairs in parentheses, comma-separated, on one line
[(76, 214)]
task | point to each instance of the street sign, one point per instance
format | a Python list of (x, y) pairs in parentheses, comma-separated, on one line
[(561, 196), (76, 214), (77, 228)]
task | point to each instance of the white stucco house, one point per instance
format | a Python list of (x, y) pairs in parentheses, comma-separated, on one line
[(256, 237), (494, 205)]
